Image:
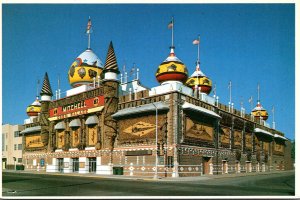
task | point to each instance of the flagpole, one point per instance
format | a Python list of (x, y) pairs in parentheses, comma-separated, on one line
[(89, 41), (229, 91), (258, 92), (89, 35), (273, 111), (37, 88), (172, 32), (199, 50)]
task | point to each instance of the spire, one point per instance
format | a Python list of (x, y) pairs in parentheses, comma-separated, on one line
[(111, 60), (46, 89)]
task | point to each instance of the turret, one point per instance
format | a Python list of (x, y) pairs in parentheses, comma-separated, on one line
[(46, 96), (110, 87)]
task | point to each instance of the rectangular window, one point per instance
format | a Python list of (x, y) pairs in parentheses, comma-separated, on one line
[(19, 160), (19, 146), (15, 147), (17, 133), (170, 161)]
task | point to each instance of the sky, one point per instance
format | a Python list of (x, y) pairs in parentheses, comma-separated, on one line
[(247, 44)]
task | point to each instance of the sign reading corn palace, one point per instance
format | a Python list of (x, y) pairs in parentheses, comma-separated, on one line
[(107, 124)]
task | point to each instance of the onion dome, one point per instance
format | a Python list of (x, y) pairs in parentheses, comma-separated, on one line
[(34, 109), (84, 68), (259, 111), (200, 80), (172, 69)]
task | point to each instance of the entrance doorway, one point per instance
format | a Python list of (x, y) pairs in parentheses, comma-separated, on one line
[(60, 164), (92, 164), (75, 164), (206, 164), (248, 167), (4, 161), (224, 167)]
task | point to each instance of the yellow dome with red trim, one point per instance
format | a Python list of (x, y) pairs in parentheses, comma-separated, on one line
[(34, 109), (259, 111), (85, 67), (172, 69), (200, 80)]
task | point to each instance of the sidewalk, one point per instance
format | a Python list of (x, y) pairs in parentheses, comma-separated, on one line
[(194, 178)]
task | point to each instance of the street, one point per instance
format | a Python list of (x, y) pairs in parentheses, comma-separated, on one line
[(33, 184)]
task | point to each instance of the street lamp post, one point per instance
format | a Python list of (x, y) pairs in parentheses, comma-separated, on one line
[(156, 156), (156, 133)]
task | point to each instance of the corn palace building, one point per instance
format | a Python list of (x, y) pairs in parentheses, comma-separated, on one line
[(106, 124)]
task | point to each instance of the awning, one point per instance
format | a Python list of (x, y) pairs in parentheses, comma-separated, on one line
[(141, 109), (75, 123), (92, 120), (258, 130), (279, 136), (60, 126), (31, 129), (189, 106)]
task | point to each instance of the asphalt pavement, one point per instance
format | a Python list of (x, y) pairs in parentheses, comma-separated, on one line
[(26, 183)]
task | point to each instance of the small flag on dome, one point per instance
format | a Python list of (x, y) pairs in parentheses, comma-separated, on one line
[(197, 41), (250, 99), (229, 85), (170, 25), (132, 69), (89, 26)]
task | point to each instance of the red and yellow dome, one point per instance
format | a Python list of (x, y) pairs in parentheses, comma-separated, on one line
[(85, 67), (259, 111), (199, 79), (34, 109), (172, 69)]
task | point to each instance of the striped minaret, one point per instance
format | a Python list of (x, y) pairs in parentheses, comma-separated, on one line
[(111, 66), (46, 92), (46, 95)]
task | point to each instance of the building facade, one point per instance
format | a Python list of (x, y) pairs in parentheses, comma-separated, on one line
[(109, 125), (12, 147)]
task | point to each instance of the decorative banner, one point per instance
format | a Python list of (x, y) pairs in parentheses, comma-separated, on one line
[(92, 134), (76, 108), (266, 146), (225, 136), (278, 147), (33, 141), (248, 140), (237, 138), (140, 128), (75, 137), (199, 130), (60, 139)]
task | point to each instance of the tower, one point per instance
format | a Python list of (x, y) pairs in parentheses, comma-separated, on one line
[(259, 112), (46, 95), (86, 67), (111, 99), (172, 69), (198, 80)]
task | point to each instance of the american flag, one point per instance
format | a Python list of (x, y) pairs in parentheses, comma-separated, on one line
[(195, 42), (171, 24), (89, 26)]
